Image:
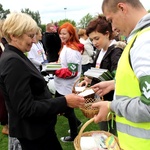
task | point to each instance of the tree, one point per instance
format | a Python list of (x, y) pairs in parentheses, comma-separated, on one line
[(66, 20), (34, 15), (85, 20), (43, 27), (3, 13)]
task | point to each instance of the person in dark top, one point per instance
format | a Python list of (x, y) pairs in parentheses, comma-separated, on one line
[(51, 42), (108, 54), (3, 110), (31, 108)]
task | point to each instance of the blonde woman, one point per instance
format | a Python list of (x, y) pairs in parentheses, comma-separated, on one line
[(32, 110)]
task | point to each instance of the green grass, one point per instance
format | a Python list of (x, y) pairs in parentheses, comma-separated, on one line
[(3, 140), (61, 130)]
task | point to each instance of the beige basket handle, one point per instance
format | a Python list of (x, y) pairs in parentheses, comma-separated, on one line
[(82, 129), (84, 126), (73, 89)]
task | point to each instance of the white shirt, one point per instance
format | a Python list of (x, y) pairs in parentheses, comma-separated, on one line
[(101, 55), (88, 51), (37, 54), (67, 55), (2, 46)]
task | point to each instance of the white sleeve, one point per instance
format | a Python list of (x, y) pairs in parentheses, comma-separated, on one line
[(140, 55)]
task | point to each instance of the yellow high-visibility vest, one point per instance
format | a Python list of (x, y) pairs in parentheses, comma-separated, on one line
[(132, 136)]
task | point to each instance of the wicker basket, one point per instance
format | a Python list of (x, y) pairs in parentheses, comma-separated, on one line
[(77, 140), (87, 110), (75, 84)]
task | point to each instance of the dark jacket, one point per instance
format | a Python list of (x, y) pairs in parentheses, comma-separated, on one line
[(31, 109), (52, 45), (110, 62), (3, 110)]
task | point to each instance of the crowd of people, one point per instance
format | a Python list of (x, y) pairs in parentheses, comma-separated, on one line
[(30, 108)]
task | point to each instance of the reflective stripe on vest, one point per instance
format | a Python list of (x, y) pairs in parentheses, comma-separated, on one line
[(132, 136)]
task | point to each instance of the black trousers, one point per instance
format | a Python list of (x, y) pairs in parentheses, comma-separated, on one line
[(47, 142), (72, 119)]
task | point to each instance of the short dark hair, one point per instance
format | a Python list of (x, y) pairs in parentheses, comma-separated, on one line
[(112, 4), (101, 25)]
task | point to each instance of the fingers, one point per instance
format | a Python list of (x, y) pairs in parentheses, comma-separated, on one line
[(94, 105), (98, 117), (95, 89), (82, 103), (100, 93), (83, 83), (86, 84), (103, 111)]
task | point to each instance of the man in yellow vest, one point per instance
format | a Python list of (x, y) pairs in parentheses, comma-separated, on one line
[(131, 103)]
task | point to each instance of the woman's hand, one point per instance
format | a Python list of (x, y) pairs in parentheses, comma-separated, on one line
[(104, 87), (85, 82)]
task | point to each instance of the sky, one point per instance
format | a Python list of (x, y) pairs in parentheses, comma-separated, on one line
[(55, 10)]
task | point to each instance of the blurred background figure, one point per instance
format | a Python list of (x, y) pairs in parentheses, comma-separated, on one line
[(51, 42), (37, 54), (88, 53), (116, 34), (3, 109)]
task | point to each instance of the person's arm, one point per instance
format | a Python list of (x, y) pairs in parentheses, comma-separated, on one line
[(16, 77), (104, 87), (70, 64), (69, 72), (104, 110), (89, 48), (101, 89), (140, 105)]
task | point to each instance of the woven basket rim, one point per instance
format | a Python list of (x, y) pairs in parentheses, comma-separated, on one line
[(73, 89), (90, 112), (89, 133)]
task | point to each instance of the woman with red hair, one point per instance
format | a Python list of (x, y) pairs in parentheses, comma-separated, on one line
[(70, 59)]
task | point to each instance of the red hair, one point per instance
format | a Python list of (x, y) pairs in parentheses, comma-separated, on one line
[(73, 42)]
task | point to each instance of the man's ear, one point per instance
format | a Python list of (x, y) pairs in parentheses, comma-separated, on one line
[(121, 6)]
